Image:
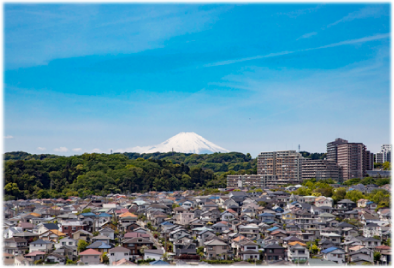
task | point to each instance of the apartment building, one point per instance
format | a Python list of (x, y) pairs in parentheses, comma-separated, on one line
[(321, 169), (384, 154), (285, 165), (352, 160), (332, 149), (258, 181)]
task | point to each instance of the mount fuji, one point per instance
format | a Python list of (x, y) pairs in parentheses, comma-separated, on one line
[(184, 142)]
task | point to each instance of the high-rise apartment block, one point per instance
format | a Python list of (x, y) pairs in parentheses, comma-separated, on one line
[(384, 155), (273, 168), (332, 149), (321, 169), (285, 165), (352, 158)]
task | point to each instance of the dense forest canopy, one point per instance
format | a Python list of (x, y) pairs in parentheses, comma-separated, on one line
[(41, 176)]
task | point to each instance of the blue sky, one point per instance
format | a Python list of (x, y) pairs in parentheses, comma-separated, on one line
[(250, 78)]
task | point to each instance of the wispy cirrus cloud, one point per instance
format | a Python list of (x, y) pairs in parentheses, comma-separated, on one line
[(307, 35), (61, 149), (342, 43), (9, 137), (366, 12)]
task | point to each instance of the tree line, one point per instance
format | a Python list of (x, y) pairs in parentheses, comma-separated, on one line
[(43, 176)]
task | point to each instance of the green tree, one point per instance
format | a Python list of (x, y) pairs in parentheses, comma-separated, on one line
[(82, 244), (376, 256), (339, 194), (354, 195), (12, 189), (386, 165)]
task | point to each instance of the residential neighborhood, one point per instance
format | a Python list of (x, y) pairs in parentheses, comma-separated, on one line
[(246, 226)]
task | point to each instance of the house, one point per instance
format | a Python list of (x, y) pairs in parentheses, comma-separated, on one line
[(52, 235), (82, 234), (371, 230), (248, 250), (346, 204), (156, 254), (216, 250), (122, 262), (274, 252), (362, 203), (41, 245), (90, 257), (55, 258), (15, 245), (66, 242), (45, 227), (70, 227), (323, 201), (159, 264), (100, 246), (9, 232), (298, 253), (22, 262), (334, 254), (35, 256), (185, 248), (361, 255), (8, 259), (117, 253), (135, 245), (108, 232)]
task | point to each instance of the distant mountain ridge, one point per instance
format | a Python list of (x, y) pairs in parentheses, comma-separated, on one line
[(184, 142)]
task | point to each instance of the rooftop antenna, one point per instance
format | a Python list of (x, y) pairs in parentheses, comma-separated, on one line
[(299, 148)]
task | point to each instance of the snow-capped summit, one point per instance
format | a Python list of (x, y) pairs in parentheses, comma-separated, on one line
[(184, 142)]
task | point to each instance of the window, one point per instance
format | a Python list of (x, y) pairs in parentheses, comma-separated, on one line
[(224, 247), (112, 254), (126, 254), (210, 248), (63, 243), (95, 257)]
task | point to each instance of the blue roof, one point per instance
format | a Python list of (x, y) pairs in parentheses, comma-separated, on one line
[(159, 262), (104, 215), (89, 214), (166, 223), (267, 214), (213, 197), (328, 250), (370, 202), (272, 229), (294, 202)]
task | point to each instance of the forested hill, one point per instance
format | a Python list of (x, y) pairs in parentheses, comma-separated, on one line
[(59, 176)]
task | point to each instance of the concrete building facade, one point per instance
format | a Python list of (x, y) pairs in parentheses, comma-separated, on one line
[(321, 169), (352, 160)]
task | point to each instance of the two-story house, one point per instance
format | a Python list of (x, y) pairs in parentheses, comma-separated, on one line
[(41, 245), (334, 254), (118, 253), (298, 253), (90, 257), (216, 250)]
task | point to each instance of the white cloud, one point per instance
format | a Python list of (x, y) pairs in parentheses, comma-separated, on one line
[(9, 137), (41, 148), (307, 35), (365, 12), (96, 150), (61, 149), (342, 43), (77, 149)]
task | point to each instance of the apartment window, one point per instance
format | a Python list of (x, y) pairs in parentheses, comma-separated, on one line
[(126, 254), (112, 254)]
